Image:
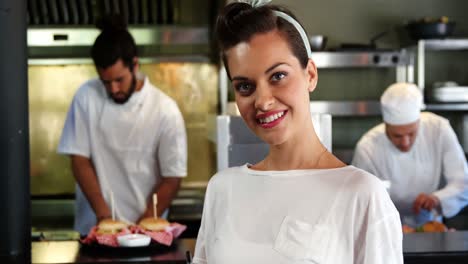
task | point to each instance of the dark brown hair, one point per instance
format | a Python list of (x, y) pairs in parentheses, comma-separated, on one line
[(114, 43), (239, 22)]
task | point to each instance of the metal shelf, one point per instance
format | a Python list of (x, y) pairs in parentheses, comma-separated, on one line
[(445, 44), (447, 107), (346, 108), (437, 45), (358, 108), (334, 108), (371, 107), (346, 59)]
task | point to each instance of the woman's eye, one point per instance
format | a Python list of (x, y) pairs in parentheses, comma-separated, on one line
[(244, 88), (278, 76)]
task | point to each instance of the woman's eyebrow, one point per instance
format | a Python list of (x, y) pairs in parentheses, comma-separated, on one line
[(239, 78), (274, 66)]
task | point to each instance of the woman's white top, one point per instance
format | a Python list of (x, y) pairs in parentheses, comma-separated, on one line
[(435, 164), (341, 215)]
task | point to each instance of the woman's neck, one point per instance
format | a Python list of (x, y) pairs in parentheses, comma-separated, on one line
[(301, 151)]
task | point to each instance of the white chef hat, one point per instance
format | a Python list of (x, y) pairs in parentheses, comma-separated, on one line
[(401, 104)]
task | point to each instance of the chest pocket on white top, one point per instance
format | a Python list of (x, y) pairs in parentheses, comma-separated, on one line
[(299, 240)]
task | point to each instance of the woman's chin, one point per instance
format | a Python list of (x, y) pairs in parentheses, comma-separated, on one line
[(273, 141)]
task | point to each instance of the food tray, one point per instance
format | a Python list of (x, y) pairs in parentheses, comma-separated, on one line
[(95, 249)]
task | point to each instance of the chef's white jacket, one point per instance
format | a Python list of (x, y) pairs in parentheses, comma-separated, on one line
[(436, 164), (131, 145)]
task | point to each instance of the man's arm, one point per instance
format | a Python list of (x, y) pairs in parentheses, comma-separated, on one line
[(167, 190), (454, 196), (172, 157), (85, 175)]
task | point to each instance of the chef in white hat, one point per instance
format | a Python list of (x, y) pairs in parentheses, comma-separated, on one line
[(418, 154)]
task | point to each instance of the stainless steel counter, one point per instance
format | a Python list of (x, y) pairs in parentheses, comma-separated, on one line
[(425, 248), (73, 252), (428, 248)]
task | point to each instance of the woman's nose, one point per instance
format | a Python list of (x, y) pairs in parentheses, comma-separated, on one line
[(264, 99)]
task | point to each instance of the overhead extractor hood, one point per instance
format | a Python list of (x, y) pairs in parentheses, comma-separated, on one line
[(62, 30), (85, 12), (165, 42)]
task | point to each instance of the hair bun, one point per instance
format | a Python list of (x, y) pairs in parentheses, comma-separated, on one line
[(112, 23)]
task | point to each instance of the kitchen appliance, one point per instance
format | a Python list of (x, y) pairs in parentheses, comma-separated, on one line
[(371, 46), (422, 29), (236, 144), (86, 12)]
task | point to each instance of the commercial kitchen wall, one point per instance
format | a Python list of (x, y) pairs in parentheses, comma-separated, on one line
[(346, 21), (357, 21)]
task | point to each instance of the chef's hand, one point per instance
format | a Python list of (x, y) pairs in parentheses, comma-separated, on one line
[(425, 201), (101, 218), (147, 213)]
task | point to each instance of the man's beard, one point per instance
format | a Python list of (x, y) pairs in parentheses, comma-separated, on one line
[(124, 99)]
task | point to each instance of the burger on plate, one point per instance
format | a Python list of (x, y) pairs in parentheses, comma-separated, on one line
[(110, 226), (154, 224)]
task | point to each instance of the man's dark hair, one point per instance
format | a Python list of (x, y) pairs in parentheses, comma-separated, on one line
[(114, 43)]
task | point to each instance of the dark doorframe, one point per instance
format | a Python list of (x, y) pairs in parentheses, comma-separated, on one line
[(15, 231)]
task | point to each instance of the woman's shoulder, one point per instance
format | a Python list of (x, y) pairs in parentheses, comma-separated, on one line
[(363, 182), (222, 178), (369, 196)]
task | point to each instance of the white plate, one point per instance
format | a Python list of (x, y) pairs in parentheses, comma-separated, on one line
[(134, 240)]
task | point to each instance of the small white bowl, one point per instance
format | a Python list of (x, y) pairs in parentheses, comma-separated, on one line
[(133, 240)]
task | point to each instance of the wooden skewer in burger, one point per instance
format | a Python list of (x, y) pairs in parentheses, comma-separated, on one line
[(154, 224), (111, 226)]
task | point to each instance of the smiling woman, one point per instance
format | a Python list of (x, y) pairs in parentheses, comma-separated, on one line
[(300, 203), (268, 93)]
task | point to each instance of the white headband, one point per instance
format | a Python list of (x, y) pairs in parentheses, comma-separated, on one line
[(255, 3), (305, 39)]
